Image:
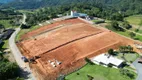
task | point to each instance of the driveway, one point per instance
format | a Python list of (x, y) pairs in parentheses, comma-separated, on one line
[(138, 67), (25, 69)]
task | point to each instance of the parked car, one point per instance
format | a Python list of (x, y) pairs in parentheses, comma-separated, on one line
[(140, 60)]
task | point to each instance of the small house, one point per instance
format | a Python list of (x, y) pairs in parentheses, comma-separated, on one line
[(106, 59)]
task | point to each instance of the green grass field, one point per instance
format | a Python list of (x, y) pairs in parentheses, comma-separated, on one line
[(125, 33), (135, 19), (99, 73), (6, 23), (23, 31), (129, 56), (5, 44)]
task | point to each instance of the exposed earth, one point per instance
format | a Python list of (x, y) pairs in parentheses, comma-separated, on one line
[(63, 45)]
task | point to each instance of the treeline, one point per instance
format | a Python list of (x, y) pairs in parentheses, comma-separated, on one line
[(92, 9), (107, 9), (129, 6), (8, 14)]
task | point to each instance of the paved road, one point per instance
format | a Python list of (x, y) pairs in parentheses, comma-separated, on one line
[(25, 69), (138, 67)]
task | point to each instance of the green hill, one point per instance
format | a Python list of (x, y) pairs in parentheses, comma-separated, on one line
[(122, 5), (6, 1)]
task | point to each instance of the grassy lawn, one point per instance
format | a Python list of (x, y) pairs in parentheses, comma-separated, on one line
[(99, 73), (139, 37), (135, 19), (140, 31), (23, 31), (125, 33), (95, 20), (130, 57), (6, 23), (5, 44)]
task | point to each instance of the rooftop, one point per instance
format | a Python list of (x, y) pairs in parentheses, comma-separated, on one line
[(107, 59)]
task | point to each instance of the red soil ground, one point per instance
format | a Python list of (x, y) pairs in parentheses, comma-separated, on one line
[(69, 44), (46, 42), (45, 28)]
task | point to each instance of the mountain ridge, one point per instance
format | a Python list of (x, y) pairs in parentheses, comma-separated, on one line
[(122, 5)]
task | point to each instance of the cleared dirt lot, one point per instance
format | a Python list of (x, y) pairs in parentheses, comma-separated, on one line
[(51, 26), (68, 45), (48, 41)]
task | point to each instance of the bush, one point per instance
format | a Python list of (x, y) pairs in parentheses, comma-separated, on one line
[(136, 30), (23, 26), (127, 73), (77, 73)]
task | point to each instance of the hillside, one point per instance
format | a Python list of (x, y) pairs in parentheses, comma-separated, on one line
[(32, 4), (129, 6), (6, 1)]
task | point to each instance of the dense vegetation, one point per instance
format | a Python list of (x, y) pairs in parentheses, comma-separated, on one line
[(92, 9), (122, 5), (6, 1), (8, 70), (107, 9), (9, 18)]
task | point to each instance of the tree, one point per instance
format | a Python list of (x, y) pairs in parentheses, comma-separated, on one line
[(132, 35), (125, 49), (111, 52), (117, 16), (136, 30), (121, 48), (8, 70), (127, 73), (130, 48), (126, 25), (115, 25)]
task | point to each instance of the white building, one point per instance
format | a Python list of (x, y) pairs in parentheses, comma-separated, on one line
[(106, 59), (75, 14)]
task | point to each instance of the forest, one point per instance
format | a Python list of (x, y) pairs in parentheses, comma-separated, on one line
[(92, 9), (48, 9)]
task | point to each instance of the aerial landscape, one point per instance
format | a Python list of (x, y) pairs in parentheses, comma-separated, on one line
[(70, 40)]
